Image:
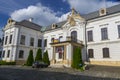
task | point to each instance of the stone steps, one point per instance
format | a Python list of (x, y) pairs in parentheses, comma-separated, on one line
[(57, 66)]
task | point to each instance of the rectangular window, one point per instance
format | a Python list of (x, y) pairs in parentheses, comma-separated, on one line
[(31, 41), (104, 34), (0, 54), (2, 40), (21, 54), (6, 40), (119, 31), (45, 43), (10, 39), (90, 35), (3, 55), (106, 53), (22, 40), (90, 53), (39, 42), (8, 54)]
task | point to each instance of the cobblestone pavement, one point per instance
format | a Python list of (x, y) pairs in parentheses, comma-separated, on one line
[(27, 73)]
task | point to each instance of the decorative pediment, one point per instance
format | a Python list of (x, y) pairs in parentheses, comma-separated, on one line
[(71, 21), (10, 23), (73, 17)]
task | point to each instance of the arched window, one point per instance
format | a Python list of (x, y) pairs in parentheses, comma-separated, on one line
[(74, 35)]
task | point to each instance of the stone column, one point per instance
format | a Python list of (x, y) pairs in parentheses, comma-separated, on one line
[(64, 52), (53, 56)]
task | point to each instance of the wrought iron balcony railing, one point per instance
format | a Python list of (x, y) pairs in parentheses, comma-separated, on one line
[(68, 39)]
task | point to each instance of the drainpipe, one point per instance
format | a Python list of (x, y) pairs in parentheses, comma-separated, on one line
[(86, 42)]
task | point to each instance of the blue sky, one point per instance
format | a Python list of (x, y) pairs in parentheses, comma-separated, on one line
[(45, 12)]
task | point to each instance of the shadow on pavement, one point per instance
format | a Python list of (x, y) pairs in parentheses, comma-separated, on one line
[(24, 74)]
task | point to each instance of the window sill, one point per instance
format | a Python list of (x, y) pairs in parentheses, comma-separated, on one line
[(107, 58), (90, 41), (105, 40)]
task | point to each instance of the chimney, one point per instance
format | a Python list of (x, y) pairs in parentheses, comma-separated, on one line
[(30, 19)]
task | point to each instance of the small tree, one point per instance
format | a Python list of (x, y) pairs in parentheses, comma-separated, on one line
[(46, 58), (77, 58), (30, 59), (38, 55)]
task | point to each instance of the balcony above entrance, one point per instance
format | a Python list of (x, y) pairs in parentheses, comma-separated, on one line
[(68, 40)]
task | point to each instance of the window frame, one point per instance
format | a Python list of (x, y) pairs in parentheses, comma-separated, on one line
[(118, 31), (106, 50), (21, 56), (104, 33), (31, 41), (45, 42), (90, 35), (39, 42), (22, 40), (6, 39), (10, 40), (3, 54), (91, 53), (8, 54)]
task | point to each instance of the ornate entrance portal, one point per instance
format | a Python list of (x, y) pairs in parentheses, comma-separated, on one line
[(62, 51), (59, 51)]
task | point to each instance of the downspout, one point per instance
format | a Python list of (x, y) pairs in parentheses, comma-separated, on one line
[(86, 42)]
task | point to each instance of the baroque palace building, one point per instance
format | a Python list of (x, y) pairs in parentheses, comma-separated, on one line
[(96, 33)]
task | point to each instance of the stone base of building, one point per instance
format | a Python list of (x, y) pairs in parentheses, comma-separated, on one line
[(20, 62), (106, 63)]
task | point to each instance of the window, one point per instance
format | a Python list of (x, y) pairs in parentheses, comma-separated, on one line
[(10, 39), (8, 54), (119, 31), (104, 33), (6, 40), (39, 42), (45, 43), (2, 40), (60, 38), (21, 54), (0, 54), (3, 55), (74, 35), (52, 40), (90, 35), (31, 41), (90, 53), (106, 53), (22, 41)]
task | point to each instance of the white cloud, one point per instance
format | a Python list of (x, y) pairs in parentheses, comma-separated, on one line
[(63, 17), (86, 6), (45, 16), (41, 15)]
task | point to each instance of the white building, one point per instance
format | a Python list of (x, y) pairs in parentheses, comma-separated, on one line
[(97, 33)]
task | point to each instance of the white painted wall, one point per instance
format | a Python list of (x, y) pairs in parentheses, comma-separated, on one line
[(113, 41)]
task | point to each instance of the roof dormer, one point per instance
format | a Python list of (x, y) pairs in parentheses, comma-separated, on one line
[(102, 12), (54, 26)]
